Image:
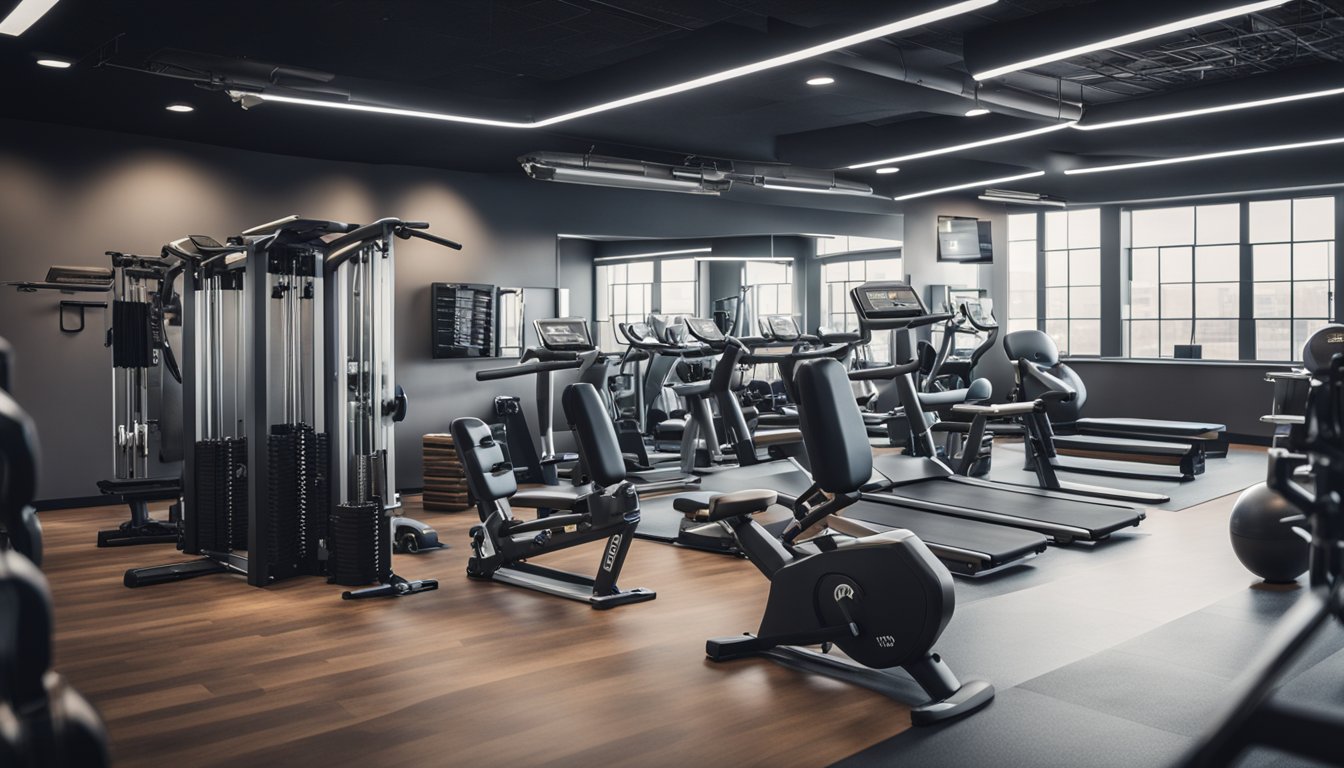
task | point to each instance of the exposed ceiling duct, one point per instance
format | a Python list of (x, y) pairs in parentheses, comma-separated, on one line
[(706, 179), (959, 84)]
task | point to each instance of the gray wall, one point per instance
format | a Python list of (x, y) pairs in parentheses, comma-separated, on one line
[(67, 195), (923, 269), (1235, 394)]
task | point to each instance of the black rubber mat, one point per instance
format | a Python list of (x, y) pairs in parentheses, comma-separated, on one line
[(1024, 729), (1141, 702)]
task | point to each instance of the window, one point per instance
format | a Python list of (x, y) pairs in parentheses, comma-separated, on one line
[(677, 287), (772, 289), (1073, 280), (628, 291), (1185, 281), (624, 295), (1293, 266), (837, 311), (1021, 272)]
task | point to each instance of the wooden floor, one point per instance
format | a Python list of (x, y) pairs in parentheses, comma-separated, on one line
[(214, 672)]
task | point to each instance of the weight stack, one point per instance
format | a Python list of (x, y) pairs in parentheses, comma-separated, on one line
[(445, 480), (219, 505), (132, 346), (357, 539), (297, 501)]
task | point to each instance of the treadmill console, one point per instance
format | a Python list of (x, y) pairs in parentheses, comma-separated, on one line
[(564, 334), (887, 304), (781, 328), (982, 315), (704, 330)]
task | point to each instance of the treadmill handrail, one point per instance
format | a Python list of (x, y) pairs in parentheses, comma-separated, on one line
[(527, 369)]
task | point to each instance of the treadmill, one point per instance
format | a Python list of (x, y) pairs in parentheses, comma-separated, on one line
[(571, 335), (966, 547), (924, 483)]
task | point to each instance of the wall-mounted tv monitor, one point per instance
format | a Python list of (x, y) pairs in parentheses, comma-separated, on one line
[(964, 239)]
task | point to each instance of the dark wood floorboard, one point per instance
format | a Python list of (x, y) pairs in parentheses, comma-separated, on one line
[(212, 672)]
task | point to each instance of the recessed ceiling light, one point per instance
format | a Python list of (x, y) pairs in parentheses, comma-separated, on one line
[(976, 112), (24, 15), (53, 63), (888, 169), (1207, 156), (180, 106), (821, 81), (960, 147), (970, 184), (911, 22), (1132, 37)]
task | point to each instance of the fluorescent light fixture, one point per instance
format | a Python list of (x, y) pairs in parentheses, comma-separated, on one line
[(976, 112), (53, 63), (652, 254), (970, 184), (1132, 37), (627, 181), (180, 106), (786, 186), (745, 258), (961, 147), (887, 169), (1024, 201), (24, 15), (821, 81), (1211, 110), (1208, 156), (911, 22)]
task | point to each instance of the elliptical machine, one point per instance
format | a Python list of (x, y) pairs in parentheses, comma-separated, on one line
[(883, 599)]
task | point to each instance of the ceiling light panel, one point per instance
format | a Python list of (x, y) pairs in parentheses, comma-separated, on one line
[(970, 184), (901, 25), (963, 147), (1256, 103), (1227, 12), (25, 15), (1206, 156)]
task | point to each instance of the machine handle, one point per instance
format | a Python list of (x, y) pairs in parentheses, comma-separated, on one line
[(526, 369), (397, 406), (920, 322), (405, 234), (884, 372)]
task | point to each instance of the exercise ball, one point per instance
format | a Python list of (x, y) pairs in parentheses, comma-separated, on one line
[(1269, 548)]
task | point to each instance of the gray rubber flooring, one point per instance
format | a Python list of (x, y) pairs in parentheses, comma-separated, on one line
[(1114, 654)]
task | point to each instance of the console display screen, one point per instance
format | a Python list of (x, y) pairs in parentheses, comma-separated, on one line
[(782, 327), (902, 299), (703, 329), (564, 334)]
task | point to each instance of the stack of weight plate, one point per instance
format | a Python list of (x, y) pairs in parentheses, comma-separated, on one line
[(445, 480)]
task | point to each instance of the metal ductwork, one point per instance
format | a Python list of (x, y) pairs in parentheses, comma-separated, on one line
[(709, 179), (958, 84)]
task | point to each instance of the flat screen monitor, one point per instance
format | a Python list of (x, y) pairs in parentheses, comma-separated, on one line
[(964, 239)]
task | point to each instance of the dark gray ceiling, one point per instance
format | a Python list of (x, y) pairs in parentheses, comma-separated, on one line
[(526, 59)]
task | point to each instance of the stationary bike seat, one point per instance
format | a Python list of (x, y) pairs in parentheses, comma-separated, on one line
[(725, 505)]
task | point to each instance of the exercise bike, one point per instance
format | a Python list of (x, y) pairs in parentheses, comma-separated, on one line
[(884, 599)]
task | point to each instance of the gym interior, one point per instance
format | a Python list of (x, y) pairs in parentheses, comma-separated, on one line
[(717, 383)]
